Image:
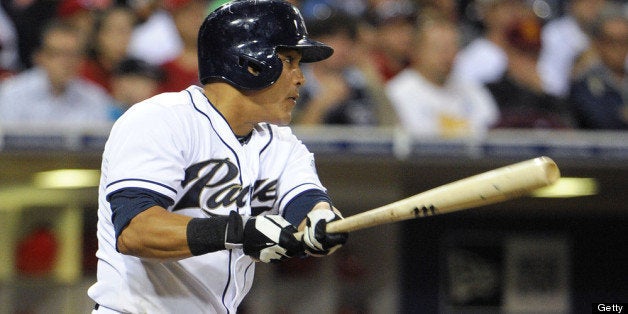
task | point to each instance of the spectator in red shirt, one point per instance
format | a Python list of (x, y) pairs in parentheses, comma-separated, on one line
[(393, 22), (181, 72), (111, 36)]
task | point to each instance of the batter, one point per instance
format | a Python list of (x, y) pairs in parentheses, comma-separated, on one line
[(198, 185)]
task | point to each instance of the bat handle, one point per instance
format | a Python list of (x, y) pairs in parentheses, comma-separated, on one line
[(329, 228)]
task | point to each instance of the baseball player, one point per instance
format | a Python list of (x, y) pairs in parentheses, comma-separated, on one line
[(200, 184)]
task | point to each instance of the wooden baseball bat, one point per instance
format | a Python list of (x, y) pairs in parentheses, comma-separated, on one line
[(490, 187)]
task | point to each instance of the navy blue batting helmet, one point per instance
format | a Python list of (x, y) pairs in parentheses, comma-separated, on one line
[(237, 42)]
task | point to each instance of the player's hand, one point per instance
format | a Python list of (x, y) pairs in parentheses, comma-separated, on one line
[(270, 239), (316, 239)]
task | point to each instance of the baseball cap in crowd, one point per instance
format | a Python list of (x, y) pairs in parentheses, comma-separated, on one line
[(173, 5), (525, 35), (68, 8)]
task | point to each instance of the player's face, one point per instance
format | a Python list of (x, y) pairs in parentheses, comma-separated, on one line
[(275, 103)]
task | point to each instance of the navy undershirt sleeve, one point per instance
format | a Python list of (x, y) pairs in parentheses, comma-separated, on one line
[(129, 202), (300, 205)]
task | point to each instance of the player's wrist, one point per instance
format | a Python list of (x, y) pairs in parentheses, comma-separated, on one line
[(206, 235), (315, 237), (234, 233), (271, 238)]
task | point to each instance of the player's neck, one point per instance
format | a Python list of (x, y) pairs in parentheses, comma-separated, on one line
[(229, 102)]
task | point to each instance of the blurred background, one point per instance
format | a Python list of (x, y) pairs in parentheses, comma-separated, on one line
[(417, 94)]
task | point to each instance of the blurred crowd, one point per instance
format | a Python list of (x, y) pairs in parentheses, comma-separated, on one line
[(434, 67)]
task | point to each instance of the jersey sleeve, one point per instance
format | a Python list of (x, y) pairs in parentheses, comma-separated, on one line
[(299, 206), (145, 150)]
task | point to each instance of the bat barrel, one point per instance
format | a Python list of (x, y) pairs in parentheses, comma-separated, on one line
[(490, 187)]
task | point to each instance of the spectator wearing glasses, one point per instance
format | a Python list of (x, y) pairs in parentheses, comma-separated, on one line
[(52, 92)]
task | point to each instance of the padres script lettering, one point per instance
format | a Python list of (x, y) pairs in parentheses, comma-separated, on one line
[(219, 178)]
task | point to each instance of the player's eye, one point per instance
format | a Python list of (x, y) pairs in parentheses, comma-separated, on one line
[(291, 58)]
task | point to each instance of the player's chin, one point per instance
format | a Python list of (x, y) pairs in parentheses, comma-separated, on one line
[(281, 118), (284, 117), (284, 120)]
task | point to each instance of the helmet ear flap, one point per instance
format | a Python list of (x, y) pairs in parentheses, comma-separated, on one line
[(256, 74), (252, 66)]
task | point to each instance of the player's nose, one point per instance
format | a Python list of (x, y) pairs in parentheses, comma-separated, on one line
[(299, 78)]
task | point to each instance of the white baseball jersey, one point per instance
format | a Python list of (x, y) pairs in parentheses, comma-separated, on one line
[(179, 145)]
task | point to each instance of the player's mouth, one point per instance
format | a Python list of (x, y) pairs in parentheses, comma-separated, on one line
[(294, 98)]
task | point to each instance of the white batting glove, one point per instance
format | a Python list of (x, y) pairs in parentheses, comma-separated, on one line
[(270, 238), (316, 239)]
